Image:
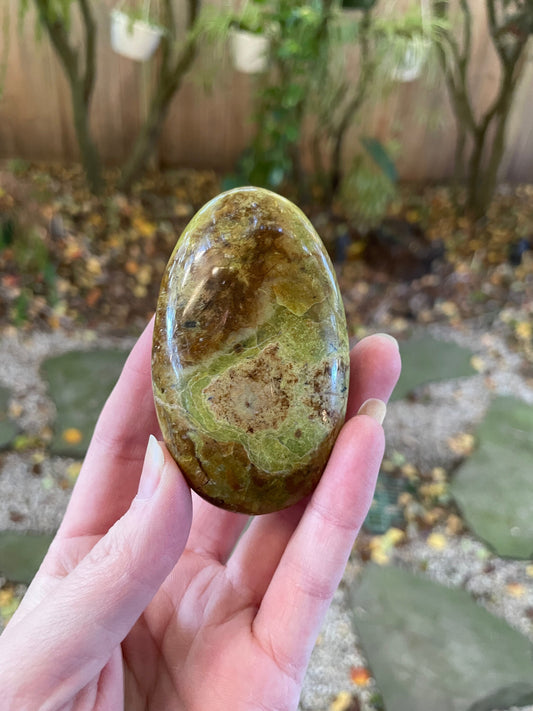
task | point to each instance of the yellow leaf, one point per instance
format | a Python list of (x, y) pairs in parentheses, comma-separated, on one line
[(355, 250), (144, 274), (8, 604), (342, 702), (392, 537), (477, 363), (448, 308), (143, 227), (529, 571), (183, 209), (15, 409), (437, 541), (523, 330), (95, 219), (72, 471), (438, 474), (433, 490), (378, 555), (516, 590), (410, 471), (93, 266), (454, 525), (462, 444), (6, 596), (72, 435)]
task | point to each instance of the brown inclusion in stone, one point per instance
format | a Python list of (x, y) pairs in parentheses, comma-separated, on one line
[(250, 354)]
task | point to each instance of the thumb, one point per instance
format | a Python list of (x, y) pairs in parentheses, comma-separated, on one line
[(70, 637)]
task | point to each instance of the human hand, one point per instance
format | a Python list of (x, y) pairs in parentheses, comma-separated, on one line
[(149, 598)]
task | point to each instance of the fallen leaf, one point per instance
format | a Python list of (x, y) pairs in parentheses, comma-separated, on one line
[(516, 590), (54, 322), (462, 444), (448, 308), (144, 275), (379, 556), (438, 474), (523, 330), (73, 471), (410, 471), (72, 435), (360, 676), (93, 266), (8, 604), (93, 296), (454, 525), (437, 541), (342, 702), (131, 267), (15, 409), (143, 227), (478, 364)]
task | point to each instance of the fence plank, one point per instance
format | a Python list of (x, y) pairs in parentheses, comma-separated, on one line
[(211, 129)]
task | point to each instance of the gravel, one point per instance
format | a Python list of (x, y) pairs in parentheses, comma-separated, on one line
[(30, 498)]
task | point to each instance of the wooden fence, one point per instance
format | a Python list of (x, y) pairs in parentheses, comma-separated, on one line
[(210, 129)]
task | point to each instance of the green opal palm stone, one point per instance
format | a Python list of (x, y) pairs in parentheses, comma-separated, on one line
[(250, 359)]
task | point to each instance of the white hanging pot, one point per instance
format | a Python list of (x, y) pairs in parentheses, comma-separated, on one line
[(249, 51), (135, 39), (411, 64)]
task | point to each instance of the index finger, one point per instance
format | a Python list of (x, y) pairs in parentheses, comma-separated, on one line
[(110, 474)]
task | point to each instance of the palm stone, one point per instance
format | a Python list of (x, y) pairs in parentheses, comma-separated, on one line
[(250, 359)]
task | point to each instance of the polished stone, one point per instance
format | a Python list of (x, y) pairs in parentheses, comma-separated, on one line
[(250, 357)]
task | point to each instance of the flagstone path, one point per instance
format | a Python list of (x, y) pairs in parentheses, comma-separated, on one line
[(462, 404)]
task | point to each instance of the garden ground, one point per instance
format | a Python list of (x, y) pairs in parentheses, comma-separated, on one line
[(80, 275)]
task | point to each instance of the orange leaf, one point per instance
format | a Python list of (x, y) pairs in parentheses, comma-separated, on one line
[(360, 675), (72, 435), (93, 296)]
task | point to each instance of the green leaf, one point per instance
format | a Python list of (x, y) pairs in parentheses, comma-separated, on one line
[(358, 4), (381, 157)]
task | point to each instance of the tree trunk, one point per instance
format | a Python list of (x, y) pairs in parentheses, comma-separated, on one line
[(89, 154), (171, 74), (169, 83), (365, 78), (81, 82)]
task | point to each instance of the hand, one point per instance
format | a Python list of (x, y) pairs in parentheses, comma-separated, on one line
[(139, 604)]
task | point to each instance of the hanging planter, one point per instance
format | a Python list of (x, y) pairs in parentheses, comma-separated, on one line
[(249, 51), (415, 52), (411, 64), (134, 37)]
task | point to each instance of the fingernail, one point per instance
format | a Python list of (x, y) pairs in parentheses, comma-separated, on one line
[(374, 408), (390, 338), (154, 459)]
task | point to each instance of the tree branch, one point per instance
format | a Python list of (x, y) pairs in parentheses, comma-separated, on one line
[(59, 38), (90, 49)]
